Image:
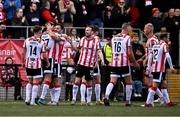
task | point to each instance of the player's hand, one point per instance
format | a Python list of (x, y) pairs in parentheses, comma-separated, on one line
[(173, 70), (147, 72), (23, 65), (102, 63), (48, 64), (136, 66)]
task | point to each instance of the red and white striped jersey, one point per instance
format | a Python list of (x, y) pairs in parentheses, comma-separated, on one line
[(59, 50), (120, 44), (88, 51), (158, 57), (149, 44), (34, 48), (50, 44)]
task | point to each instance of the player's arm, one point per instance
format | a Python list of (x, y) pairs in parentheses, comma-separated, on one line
[(23, 54), (56, 36), (149, 63), (44, 52), (168, 57), (132, 58), (101, 56)]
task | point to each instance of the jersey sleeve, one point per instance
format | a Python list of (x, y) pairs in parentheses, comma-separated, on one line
[(24, 45)]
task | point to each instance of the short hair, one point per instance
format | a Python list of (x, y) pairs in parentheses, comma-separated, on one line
[(125, 25), (49, 22), (133, 34), (61, 25), (37, 28), (95, 28), (150, 25), (162, 36), (90, 26)]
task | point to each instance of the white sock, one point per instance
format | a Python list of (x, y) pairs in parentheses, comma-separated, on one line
[(28, 92), (165, 95), (75, 90), (89, 94), (159, 93), (128, 93), (57, 93), (150, 96), (83, 92), (34, 93), (51, 91), (44, 91), (109, 89), (97, 91)]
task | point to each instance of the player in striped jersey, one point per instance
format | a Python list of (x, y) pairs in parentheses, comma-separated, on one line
[(152, 40), (120, 65), (55, 89), (156, 64), (89, 48), (96, 75), (50, 38), (32, 49)]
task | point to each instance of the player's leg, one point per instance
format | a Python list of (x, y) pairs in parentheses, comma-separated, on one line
[(79, 75), (37, 77), (83, 91), (47, 81), (28, 87), (97, 83), (157, 76), (128, 81)]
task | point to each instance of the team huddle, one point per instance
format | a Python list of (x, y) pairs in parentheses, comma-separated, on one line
[(42, 58)]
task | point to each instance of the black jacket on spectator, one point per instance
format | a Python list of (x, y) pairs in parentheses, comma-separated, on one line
[(119, 18), (157, 22), (19, 32), (33, 18), (138, 48)]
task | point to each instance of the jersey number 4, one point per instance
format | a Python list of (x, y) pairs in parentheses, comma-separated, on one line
[(33, 50)]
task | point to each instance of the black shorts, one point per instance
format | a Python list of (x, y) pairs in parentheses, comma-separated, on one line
[(83, 70), (158, 76), (57, 71), (120, 71), (50, 68), (34, 73)]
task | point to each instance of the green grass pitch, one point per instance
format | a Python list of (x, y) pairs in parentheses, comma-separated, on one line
[(65, 109)]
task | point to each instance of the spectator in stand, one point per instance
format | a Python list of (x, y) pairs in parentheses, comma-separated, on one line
[(54, 8), (156, 20), (2, 15), (19, 20), (96, 9), (9, 78), (2, 21), (173, 25), (74, 36), (67, 10), (81, 16), (32, 16), (108, 22), (137, 74), (46, 15), (120, 13), (10, 7)]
